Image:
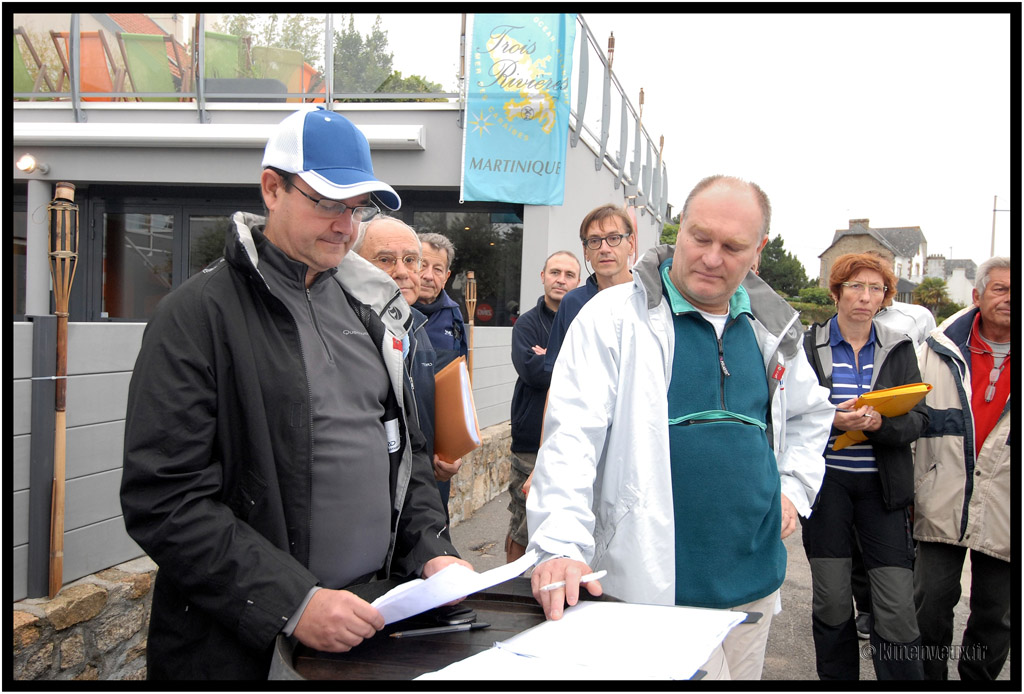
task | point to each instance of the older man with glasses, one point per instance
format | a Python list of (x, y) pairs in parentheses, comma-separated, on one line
[(393, 246), (269, 469)]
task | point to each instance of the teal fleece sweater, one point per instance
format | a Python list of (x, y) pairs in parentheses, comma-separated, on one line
[(725, 481)]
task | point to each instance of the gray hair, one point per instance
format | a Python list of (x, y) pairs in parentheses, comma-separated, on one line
[(440, 242), (759, 195), (365, 226), (999, 262)]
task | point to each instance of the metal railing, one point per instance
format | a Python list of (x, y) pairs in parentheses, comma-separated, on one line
[(612, 127)]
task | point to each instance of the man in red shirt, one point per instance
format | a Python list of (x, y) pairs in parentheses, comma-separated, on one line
[(962, 468)]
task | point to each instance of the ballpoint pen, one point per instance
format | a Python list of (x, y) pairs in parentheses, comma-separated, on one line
[(597, 575), (472, 626), (842, 410)]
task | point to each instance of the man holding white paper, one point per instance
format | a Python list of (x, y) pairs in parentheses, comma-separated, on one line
[(684, 431)]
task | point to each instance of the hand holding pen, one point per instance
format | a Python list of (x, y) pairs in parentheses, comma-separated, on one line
[(849, 417), (556, 583)]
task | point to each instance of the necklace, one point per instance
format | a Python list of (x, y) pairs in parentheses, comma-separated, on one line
[(996, 372)]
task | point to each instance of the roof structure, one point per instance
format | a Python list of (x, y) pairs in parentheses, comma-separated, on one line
[(969, 266), (902, 241)]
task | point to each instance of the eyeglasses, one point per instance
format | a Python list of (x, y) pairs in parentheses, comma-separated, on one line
[(858, 287), (329, 209), (613, 240), (387, 262)]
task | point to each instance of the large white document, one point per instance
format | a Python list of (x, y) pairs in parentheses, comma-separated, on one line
[(451, 583), (606, 640)]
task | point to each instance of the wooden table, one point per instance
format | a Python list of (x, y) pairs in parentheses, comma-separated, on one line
[(508, 607)]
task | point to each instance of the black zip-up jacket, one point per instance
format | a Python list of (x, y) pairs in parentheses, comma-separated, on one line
[(895, 365), (531, 391), (217, 456)]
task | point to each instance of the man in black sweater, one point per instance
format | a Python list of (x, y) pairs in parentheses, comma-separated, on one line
[(561, 274)]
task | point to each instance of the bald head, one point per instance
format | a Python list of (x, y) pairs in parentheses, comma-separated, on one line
[(393, 246)]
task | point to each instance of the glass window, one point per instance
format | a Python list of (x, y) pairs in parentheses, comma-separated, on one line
[(206, 234), (40, 60), (490, 243), (137, 263), (267, 54), (396, 53)]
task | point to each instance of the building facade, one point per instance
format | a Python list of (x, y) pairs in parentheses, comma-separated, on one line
[(905, 247), (159, 166)]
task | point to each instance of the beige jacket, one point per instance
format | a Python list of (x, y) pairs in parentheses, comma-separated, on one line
[(958, 499)]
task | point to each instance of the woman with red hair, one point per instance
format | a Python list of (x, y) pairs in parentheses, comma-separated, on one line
[(868, 487)]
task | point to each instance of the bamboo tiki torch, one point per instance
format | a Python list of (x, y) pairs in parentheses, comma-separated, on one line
[(471, 309), (63, 256)]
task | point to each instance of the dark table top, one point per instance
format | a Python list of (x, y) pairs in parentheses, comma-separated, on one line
[(508, 607)]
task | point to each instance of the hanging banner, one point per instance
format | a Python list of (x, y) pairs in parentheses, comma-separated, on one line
[(517, 108)]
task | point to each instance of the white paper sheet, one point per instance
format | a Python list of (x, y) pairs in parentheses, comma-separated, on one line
[(655, 641), (499, 663), (451, 583)]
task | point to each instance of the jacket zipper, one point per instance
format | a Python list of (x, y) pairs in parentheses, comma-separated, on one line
[(725, 371), (316, 325)]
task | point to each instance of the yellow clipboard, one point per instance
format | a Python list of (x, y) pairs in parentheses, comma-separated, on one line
[(889, 402), (456, 429)]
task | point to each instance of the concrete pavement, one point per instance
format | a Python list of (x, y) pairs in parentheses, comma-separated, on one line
[(480, 539)]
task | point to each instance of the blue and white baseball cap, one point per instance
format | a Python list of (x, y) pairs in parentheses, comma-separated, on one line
[(329, 153)]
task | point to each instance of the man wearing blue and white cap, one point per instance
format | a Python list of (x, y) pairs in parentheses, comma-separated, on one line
[(269, 466)]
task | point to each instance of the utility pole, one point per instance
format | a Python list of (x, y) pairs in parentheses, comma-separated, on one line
[(995, 208), (995, 199)]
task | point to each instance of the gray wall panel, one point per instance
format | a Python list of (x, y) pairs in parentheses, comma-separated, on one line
[(103, 347), (22, 345), (20, 568), (22, 406), (97, 547), (95, 448), (92, 499), (22, 451), (97, 398), (20, 501)]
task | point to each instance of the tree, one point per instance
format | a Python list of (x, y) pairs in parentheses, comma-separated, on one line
[(781, 270), (669, 231), (931, 293), (363, 65), (816, 295)]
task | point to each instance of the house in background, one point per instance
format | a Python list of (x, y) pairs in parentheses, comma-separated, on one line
[(905, 247), (959, 275)]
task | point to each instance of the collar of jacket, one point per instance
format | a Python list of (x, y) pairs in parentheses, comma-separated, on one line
[(886, 340), (442, 302), (952, 336), (360, 278), (768, 308), (542, 307), (738, 302)]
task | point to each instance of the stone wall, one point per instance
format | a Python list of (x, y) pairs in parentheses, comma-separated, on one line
[(484, 473), (95, 628)]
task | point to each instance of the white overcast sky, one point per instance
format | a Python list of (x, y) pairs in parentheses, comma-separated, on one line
[(903, 119)]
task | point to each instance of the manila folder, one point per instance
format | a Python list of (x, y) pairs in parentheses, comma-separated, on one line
[(456, 431)]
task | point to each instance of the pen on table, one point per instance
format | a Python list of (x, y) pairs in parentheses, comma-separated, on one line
[(472, 626), (583, 579)]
